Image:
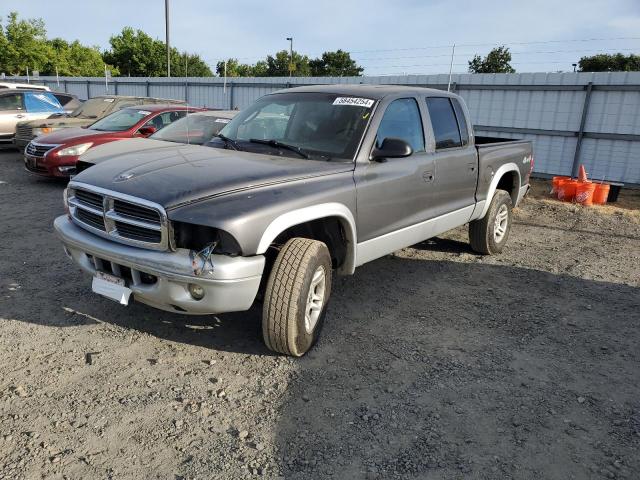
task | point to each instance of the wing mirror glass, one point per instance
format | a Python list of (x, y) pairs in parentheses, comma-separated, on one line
[(391, 148), (147, 130)]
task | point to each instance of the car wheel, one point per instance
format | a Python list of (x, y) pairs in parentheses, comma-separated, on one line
[(489, 235), (296, 296)]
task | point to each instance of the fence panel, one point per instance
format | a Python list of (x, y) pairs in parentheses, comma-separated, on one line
[(572, 118)]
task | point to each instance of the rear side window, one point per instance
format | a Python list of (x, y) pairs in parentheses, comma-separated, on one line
[(462, 122), (444, 123), (402, 120), (11, 102), (41, 102)]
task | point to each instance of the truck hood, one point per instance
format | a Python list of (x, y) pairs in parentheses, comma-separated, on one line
[(61, 122), (173, 175)]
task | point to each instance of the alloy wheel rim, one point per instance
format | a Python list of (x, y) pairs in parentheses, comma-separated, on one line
[(315, 299), (500, 223)]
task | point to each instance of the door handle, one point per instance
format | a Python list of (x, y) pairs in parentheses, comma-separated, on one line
[(472, 167), (428, 176), (19, 115)]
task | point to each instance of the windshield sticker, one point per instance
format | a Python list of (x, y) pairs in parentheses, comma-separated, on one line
[(222, 120), (354, 101), (109, 100), (143, 112)]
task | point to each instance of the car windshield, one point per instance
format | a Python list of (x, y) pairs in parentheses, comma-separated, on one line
[(195, 128), (301, 125), (93, 108), (120, 121)]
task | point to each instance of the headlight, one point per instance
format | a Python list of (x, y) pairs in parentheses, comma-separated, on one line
[(43, 130), (75, 150)]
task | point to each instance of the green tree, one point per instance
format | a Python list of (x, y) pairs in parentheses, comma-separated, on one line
[(497, 61), (604, 62), (136, 54), (75, 60), (23, 45), (335, 64), (278, 65)]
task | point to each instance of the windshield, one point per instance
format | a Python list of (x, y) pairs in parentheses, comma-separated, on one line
[(195, 129), (93, 108), (322, 125), (120, 121)]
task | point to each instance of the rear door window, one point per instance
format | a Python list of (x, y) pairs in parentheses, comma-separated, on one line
[(11, 102), (444, 123), (402, 120), (164, 119), (462, 121), (41, 102)]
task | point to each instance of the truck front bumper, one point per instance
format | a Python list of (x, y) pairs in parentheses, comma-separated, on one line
[(162, 279)]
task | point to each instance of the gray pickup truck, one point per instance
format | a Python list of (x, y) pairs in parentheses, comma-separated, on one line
[(303, 183)]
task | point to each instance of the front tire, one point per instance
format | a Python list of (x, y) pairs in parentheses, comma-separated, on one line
[(489, 235), (296, 296)]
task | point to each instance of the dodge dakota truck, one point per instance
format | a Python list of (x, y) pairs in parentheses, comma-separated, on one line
[(303, 184)]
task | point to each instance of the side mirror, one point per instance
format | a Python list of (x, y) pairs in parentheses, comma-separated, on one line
[(391, 148), (147, 130)]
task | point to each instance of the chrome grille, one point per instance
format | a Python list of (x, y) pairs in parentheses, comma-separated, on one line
[(119, 217), (38, 149), (24, 132)]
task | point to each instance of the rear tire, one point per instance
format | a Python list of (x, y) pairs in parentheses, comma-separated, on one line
[(296, 296), (489, 235)]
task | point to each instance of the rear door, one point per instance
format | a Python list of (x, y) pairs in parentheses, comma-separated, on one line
[(11, 112), (456, 160), (396, 193)]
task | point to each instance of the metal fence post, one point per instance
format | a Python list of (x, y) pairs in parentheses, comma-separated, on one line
[(454, 85), (88, 89), (147, 88), (583, 121), (186, 92), (66, 87), (230, 95), (115, 87)]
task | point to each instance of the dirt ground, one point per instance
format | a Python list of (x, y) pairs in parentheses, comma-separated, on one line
[(435, 363)]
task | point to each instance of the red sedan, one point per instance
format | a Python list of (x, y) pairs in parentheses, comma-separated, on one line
[(56, 154)]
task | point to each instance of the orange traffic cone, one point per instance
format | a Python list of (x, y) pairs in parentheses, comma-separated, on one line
[(582, 174)]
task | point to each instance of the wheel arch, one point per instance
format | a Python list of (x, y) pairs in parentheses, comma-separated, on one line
[(506, 177), (302, 216)]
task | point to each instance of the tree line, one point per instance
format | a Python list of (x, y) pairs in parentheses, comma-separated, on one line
[(24, 45)]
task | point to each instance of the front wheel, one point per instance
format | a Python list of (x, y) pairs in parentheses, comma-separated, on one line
[(489, 234), (296, 296)]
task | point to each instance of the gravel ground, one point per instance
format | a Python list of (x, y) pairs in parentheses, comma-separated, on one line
[(434, 363)]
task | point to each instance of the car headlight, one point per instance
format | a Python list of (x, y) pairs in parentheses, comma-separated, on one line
[(43, 130), (75, 150)]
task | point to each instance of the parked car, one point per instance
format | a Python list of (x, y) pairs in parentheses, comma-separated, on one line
[(196, 128), (304, 183), (87, 113), (68, 101), (23, 86), (55, 154), (17, 105)]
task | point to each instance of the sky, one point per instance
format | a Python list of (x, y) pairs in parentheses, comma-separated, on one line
[(386, 37)]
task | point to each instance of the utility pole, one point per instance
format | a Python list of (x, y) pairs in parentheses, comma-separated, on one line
[(453, 52), (290, 56), (166, 21)]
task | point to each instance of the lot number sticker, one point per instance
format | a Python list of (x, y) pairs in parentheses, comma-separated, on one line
[(222, 120), (354, 101)]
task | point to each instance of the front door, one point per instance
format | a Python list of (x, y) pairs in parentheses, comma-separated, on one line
[(396, 193)]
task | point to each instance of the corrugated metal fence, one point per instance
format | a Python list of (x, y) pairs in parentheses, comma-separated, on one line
[(572, 118)]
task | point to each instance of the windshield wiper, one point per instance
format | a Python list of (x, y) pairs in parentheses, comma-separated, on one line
[(282, 146), (228, 141)]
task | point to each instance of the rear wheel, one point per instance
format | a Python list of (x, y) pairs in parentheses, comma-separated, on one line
[(489, 235), (296, 296)]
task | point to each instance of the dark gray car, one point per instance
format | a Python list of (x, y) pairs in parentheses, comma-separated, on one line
[(303, 184)]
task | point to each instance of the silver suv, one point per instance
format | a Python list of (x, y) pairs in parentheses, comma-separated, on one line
[(24, 105)]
